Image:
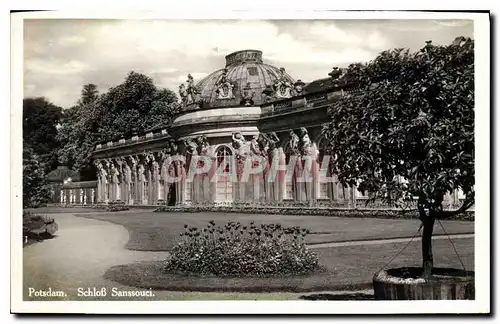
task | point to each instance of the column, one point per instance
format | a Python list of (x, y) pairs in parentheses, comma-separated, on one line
[(280, 187), (182, 185), (352, 197), (99, 187), (67, 198), (140, 184)]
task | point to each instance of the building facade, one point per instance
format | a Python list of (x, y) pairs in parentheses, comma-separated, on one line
[(247, 132)]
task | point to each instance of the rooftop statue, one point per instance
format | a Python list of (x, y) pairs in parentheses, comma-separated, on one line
[(183, 93), (247, 95), (299, 87), (224, 87), (282, 87), (191, 91)]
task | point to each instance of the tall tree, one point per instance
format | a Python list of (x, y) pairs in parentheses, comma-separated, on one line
[(89, 94), (410, 117), (133, 106), (40, 121), (35, 189)]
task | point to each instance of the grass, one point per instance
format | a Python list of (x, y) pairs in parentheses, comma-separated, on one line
[(348, 268), (151, 275), (159, 231)]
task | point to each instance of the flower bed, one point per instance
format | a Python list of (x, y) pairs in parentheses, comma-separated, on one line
[(236, 250), (305, 210), (116, 208)]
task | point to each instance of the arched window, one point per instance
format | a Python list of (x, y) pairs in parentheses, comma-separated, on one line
[(224, 188)]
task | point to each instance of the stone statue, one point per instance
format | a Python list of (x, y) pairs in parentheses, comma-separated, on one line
[(114, 173), (183, 93), (147, 157), (156, 169), (133, 161), (133, 164), (105, 170), (173, 147), (298, 87), (98, 165), (282, 87), (224, 87), (254, 145), (191, 90), (140, 172), (293, 142), (240, 144), (247, 95), (128, 173), (337, 74), (268, 94), (305, 144), (191, 146), (202, 144), (238, 140), (273, 140), (264, 143)]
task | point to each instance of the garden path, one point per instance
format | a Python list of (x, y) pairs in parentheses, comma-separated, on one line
[(84, 249)]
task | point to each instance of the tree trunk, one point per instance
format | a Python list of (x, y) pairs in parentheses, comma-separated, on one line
[(428, 262)]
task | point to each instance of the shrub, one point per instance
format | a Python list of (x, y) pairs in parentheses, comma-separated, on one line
[(308, 211), (239, 250), (116, 208)]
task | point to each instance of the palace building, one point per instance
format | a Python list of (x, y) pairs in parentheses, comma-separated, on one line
[(248, 132)]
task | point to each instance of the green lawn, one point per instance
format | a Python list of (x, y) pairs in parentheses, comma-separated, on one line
[(151, 231), (349, 268)]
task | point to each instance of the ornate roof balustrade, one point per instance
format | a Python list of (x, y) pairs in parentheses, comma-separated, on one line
[(136, 139)]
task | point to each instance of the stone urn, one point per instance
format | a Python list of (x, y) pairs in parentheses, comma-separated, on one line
[(406, 284)]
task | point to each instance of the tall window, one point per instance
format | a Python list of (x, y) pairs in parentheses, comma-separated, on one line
[(224, 189)]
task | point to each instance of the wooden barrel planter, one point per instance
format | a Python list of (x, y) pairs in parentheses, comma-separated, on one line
[(405, 284)]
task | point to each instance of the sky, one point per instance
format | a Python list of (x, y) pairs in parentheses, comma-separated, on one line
[(60, 56)]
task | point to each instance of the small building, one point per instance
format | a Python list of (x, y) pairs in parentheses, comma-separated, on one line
[(56, 178), (78, 193)]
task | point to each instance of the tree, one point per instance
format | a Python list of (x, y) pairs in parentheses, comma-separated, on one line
[(35, 189), (89, 94), (410, 116), (133, 106), (40, 120)]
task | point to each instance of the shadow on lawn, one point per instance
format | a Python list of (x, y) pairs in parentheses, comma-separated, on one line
[(347, 296)]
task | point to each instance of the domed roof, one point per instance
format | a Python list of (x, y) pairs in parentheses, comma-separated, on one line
[(242, 81)]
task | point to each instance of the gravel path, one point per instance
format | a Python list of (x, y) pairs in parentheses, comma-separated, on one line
[(80, 254)]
